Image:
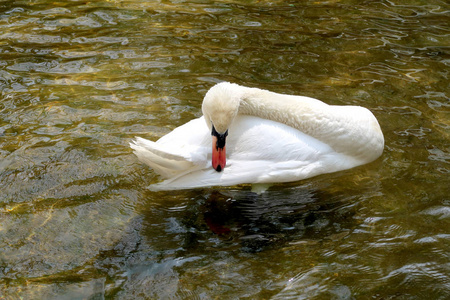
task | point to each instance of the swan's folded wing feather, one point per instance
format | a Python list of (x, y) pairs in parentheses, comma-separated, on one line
[(160, 158)]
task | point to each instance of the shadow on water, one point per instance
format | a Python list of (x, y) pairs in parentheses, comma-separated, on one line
[(251, 222), (221, 240)]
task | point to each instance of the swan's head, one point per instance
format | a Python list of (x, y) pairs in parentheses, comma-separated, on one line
[(220, 107)]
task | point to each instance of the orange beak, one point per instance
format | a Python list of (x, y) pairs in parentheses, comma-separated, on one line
[(218, 150)]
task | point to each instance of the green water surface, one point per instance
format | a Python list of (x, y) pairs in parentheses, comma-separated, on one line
[(80, 79)]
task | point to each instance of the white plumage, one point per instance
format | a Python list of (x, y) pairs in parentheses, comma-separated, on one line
[(305, 137)]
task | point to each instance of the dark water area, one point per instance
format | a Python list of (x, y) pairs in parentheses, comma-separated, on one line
[(79, 80)]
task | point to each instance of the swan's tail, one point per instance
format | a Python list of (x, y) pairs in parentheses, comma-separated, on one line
[(162, 160)]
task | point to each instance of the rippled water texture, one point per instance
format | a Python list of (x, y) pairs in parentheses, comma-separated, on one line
[(80, 79)]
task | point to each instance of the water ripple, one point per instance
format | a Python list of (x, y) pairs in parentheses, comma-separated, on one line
[(78, 80)]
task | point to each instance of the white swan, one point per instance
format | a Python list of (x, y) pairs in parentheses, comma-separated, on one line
[(271, 138)]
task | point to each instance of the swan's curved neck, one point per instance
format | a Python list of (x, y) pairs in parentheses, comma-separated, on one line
[(303, 113), (351, 130)]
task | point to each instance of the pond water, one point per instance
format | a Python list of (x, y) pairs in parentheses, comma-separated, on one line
[(80, 79)]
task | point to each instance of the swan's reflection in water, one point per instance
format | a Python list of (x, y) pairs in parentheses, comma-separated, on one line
[(258, 221), (233, 237)]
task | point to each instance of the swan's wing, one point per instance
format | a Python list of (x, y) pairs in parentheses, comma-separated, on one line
[(181, 151), (159, 158)]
